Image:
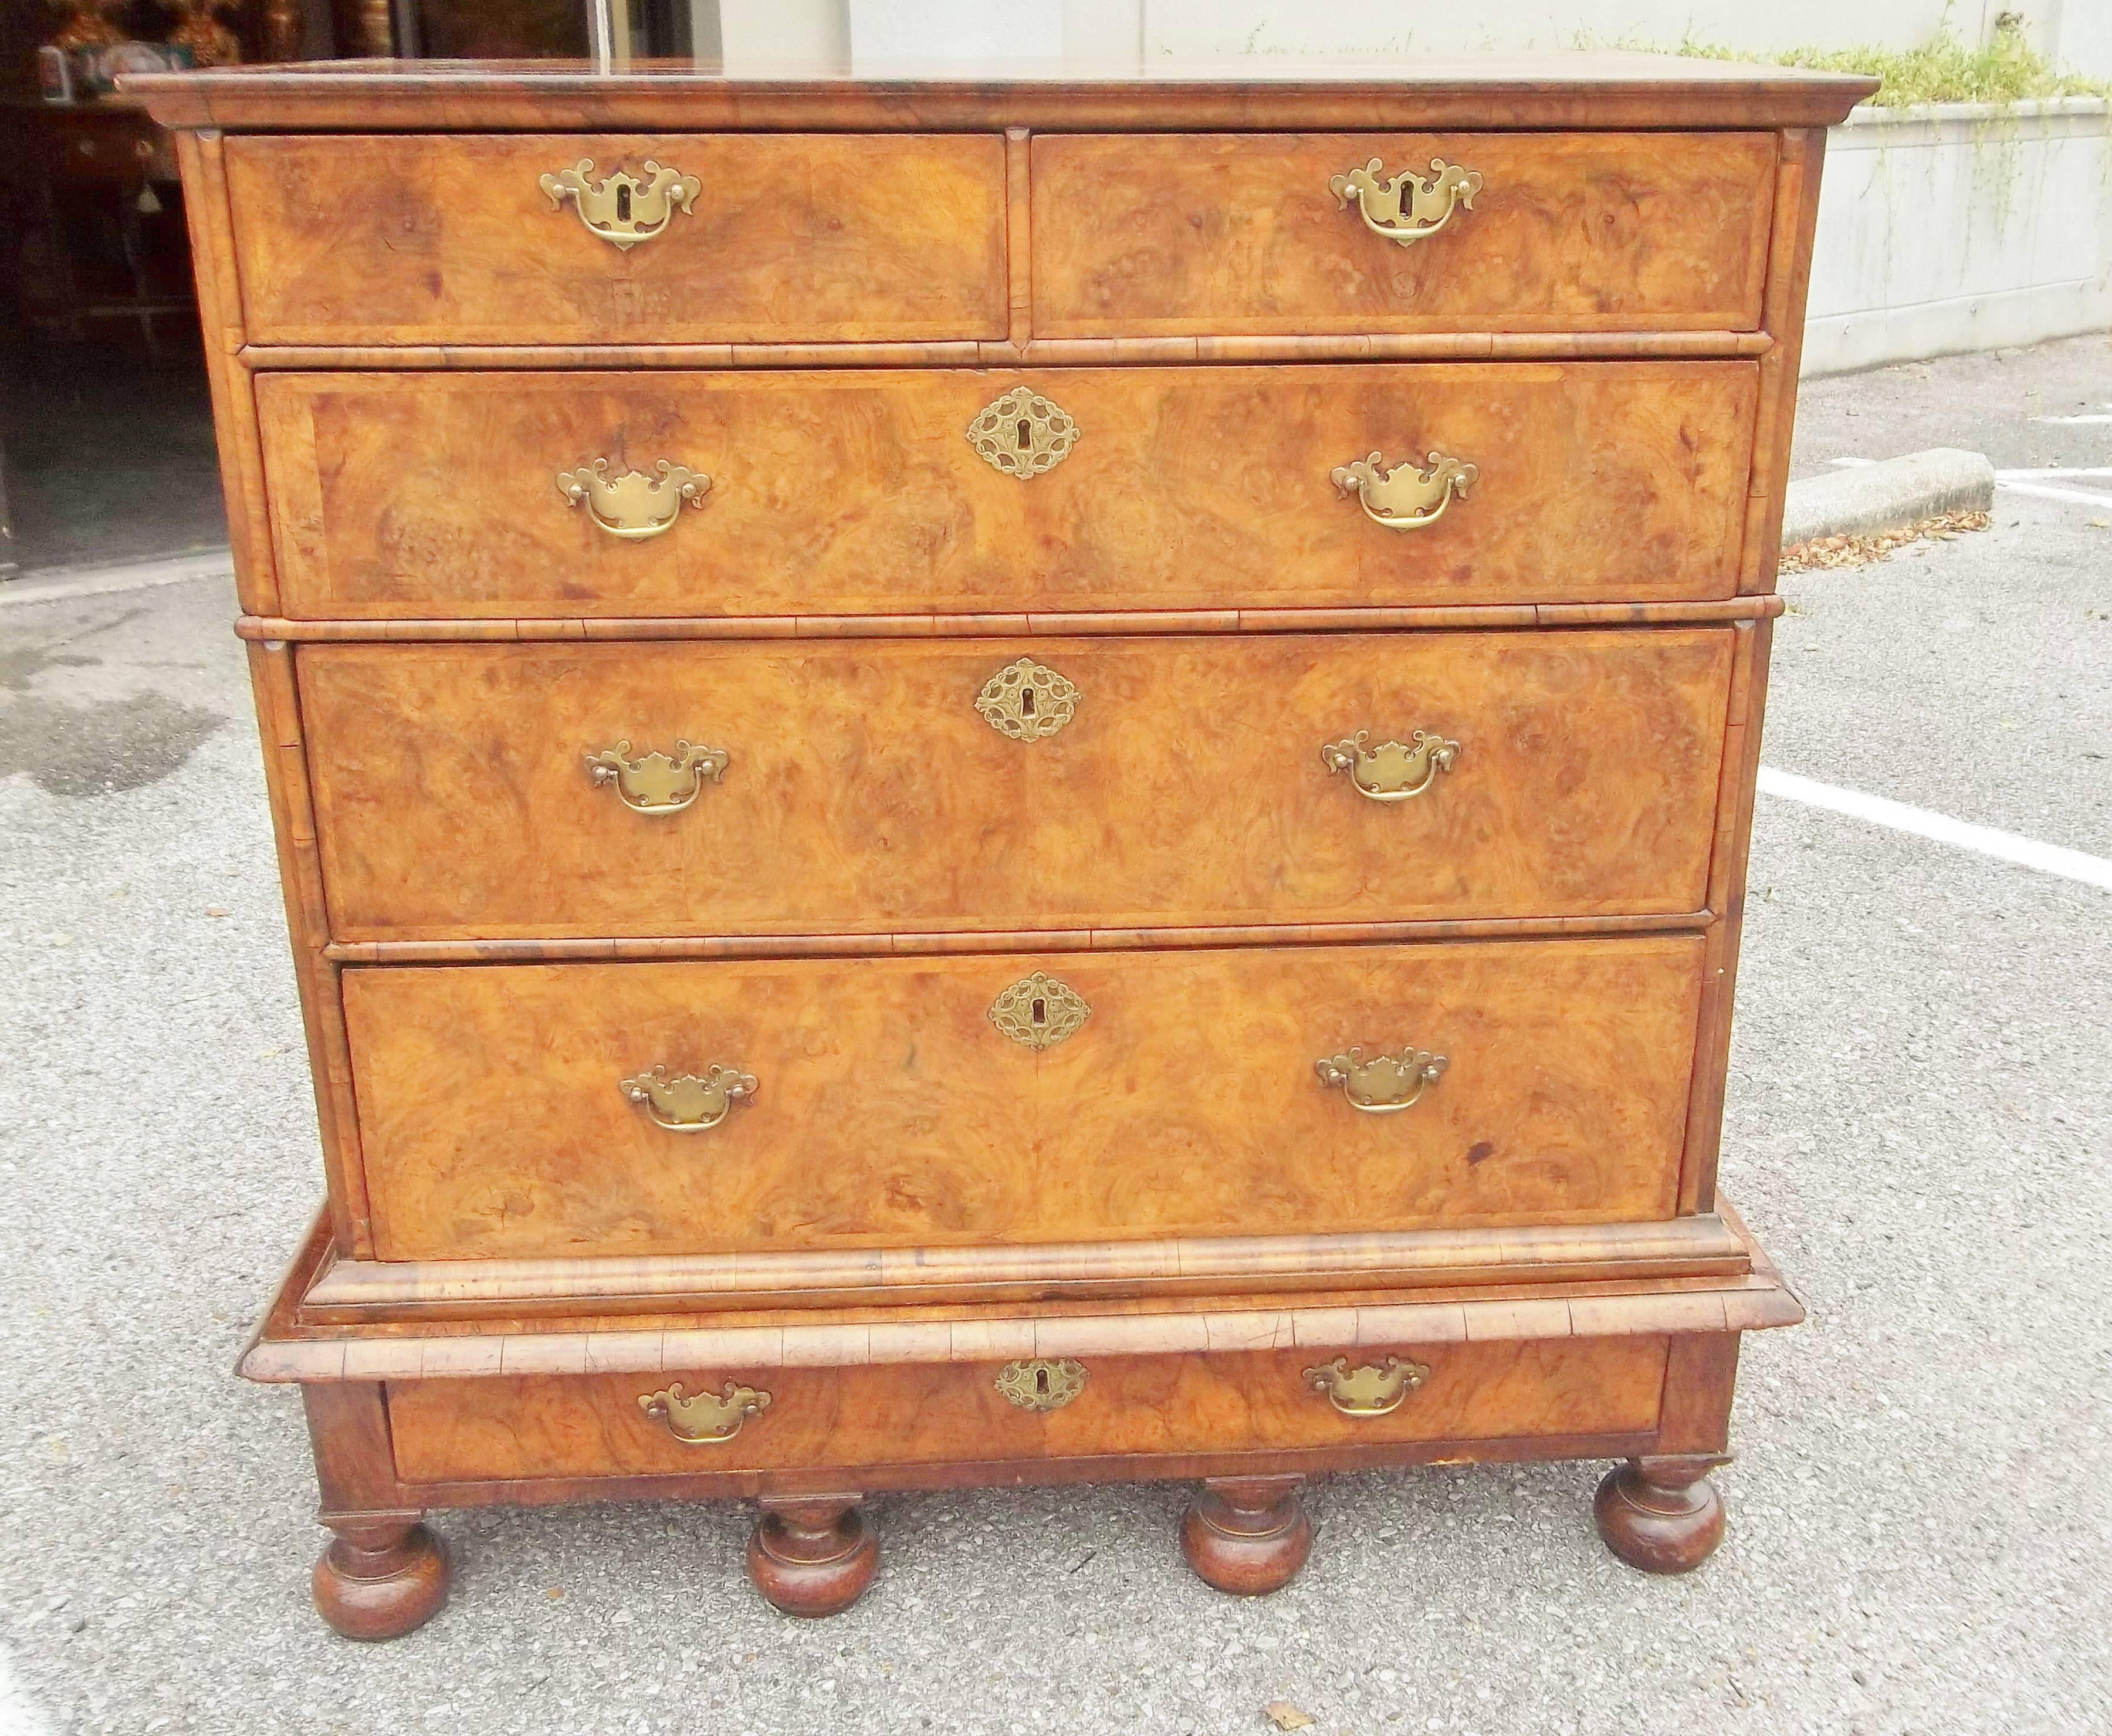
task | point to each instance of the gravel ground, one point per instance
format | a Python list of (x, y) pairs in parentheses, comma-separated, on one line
[(1920, 1123)]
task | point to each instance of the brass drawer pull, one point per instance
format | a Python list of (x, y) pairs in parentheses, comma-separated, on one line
[(1430, 204), (1393, 771), (1041, 1384), (708, 1417), (657, 783), (1404, 497), (1365, 1390), (687, 1103), (633, 506), (620, 208), (1385, 1084)]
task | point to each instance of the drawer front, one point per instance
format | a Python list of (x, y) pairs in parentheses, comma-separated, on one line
[(865, 788), (890, 1109), (859, 491), (454, 239), (940, 1414), (1241, 233)]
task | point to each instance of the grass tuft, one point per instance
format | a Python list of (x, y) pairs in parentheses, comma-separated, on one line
[(2005, 68)]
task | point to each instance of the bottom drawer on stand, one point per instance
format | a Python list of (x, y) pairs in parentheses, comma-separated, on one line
[(719, 1421)]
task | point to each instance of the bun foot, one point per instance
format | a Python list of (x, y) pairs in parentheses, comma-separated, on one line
[(1246, 1535), (812, 1556), (1662, 1515), (381, 1577)]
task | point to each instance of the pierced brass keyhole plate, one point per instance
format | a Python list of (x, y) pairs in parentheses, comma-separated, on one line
[(1041, 1384), (1027, 700), (1038, 1012), (1023, 434)]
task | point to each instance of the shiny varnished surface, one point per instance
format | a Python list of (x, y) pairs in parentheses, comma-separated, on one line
[(866, 794), (891, 1112), (1599, 89), (858, 491), (448, 1430), (1238, 232), (385, 240)]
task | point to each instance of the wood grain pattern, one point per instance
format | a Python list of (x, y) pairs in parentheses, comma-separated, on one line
[(891, 1112), (358, 1290), (449, 1430), (1232, 233), (857, 491), (1267, 93), (451, 238), (866, 794)]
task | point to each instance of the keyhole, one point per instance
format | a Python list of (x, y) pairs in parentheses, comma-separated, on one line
[(1026, 434), (622, 204), (1039, 1012), (1041, 1375), (1026, 702)]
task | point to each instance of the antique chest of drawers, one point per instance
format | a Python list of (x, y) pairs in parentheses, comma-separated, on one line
[(1032, 777)]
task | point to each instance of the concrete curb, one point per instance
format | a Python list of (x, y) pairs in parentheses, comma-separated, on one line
[(65, 584), (1867, 498)]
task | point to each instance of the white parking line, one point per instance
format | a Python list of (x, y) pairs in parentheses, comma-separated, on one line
[(2005, 846)]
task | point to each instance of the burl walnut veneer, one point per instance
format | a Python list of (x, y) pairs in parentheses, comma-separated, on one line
[(1037, 774)]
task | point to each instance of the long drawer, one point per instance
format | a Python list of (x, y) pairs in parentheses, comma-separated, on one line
[(717, 238), (790, 1419), (875, 491), (1268, 233), (916, 1101), (871, 786)]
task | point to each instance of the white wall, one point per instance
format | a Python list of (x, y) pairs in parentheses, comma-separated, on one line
[(1954, 228), (2075, 33)]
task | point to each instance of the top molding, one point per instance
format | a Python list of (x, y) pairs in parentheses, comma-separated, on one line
[(1584, 90)]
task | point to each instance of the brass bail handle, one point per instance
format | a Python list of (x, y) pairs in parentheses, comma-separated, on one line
[(1382, 1084), (1393, 771), (688, 1103), (1405, 497), (1407, 208), (623, 209), (1367, 1390), (635, 506), (704, 1418), (658, 783)]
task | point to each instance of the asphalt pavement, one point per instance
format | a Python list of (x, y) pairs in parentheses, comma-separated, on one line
[(1919, 1128)]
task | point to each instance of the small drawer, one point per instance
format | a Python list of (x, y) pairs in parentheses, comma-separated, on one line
[(956, 491), (514, 1111), (667, 239), (900, 1416), (872, 786), (1167, 234)]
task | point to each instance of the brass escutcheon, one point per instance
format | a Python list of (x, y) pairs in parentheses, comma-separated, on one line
[(1384, 1084), (1023, 434), (620, 208), (707, 1418), (1393, 771), (1404, 497), (633, 506), (1430, 204), (1027, 701), (657, 783), (1366, 1391), (1039, 1012), (1041, 1385), (688, 1103)]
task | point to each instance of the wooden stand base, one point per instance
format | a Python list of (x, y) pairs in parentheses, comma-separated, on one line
[(1662, 1515), (380, 1578), (1246, 1535), (812, 1556)]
